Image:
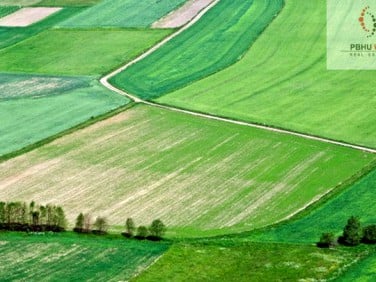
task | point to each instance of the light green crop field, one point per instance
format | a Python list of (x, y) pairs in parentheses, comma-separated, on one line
[(201, 177), (7, 10), (10, 36), (216, 41), (69, 257), (67, 3), (283, 81), (246, 262), (77, 52), (358, 200), (33, 107), (363, 271), (123, 13)]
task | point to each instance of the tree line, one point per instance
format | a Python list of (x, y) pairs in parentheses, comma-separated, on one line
[(353, 234), (85, 224), (20, 216)]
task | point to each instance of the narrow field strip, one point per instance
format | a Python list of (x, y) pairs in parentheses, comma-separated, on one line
[(63, 257), (27, 16), (183, 15), (217, 40), (122, 13), (7, 10), (200, 176)]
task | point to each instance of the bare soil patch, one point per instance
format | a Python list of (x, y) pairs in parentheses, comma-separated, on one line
[(27, 16), (182, 15)]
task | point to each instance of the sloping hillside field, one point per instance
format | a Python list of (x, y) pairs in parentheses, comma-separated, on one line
[(72, 258), (197, 175), (216, 41), (283, 81), (123, 13)]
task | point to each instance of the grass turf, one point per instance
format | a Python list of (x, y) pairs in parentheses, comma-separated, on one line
[(77, 52), (7, 10), (218, 40), (34, 107), (363, 271), (18, 2), (201, 177), (358, 199), (123, 13), (67, 3), (247, 262), (13, 35), (283, 81), (69, 257)]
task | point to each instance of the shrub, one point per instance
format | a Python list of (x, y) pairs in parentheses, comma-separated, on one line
[(130, 227), (352, 233), (327, 240), (369, 234), (142, 232), (157, 229), (101, 225)]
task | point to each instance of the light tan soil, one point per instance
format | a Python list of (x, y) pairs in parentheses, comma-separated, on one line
[(27, 16)]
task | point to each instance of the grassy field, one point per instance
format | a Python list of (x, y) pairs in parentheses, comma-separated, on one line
[(247, 262), (10, 36), (219, 39), (63, 257), (285, 83), (358, 199), (363, 271), (18, 2), (67, 3), (77, 52), (123, 13), (7, 10), (201, 177), (35, 107)]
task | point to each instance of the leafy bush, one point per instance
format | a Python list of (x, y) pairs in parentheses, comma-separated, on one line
[(352, 233), (327, 240), (369, 234)]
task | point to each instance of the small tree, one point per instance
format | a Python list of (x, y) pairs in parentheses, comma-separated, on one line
[(352, 233), (142, 232), (130, 227), (87, 223), (157, 228), (327, 240), (369, 234), (79, 223), (101, 225)]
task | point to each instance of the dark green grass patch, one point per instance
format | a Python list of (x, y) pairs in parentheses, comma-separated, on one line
[(123, 13), (358, 199), (218, 40), (283, 81), (78, 52), (13, 35), (66, 3), (18, 2), (246, 262), (69, 257), (48, 106), (7, 10)]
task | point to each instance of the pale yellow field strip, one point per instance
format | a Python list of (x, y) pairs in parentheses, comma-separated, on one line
[(183, 15), (27, 16)]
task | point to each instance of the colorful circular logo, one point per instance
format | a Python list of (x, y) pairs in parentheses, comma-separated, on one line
[(367, 21)]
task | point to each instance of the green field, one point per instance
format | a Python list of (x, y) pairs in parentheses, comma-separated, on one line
[(18, 2), (246, 262), (283, 81), (363, 271), (201, 177), (218, 40), (77, 52), (123, 13), (68, 257), (11, 35), (358, 199), (7, 10), (35, 107), (65, 3)]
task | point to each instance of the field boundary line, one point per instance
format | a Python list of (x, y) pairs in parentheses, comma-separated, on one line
[(105, 82)]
